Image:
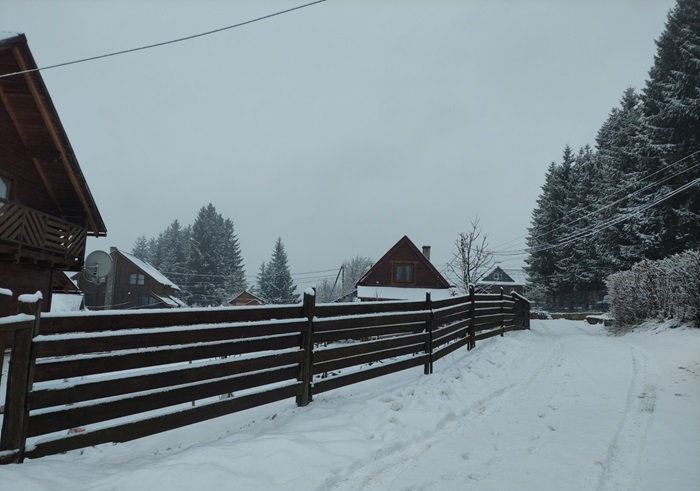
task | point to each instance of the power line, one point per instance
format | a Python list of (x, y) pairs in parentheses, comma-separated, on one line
[(596, 227), (163, 43)]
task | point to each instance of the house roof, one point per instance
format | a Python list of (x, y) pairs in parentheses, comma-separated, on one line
[(148, 269), (421, 257), (248, 295), (501, 276), (37, 123)]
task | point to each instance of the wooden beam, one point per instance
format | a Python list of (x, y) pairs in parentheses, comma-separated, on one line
[(56, 137)]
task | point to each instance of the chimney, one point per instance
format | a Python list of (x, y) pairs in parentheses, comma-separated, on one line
[(426, 252)]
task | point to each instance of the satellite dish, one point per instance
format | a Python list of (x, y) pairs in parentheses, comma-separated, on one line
[(98, 264)]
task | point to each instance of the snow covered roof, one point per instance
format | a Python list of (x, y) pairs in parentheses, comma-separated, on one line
[(505, 277), (402, 293), (66, 302), (149, 270), (8, 35)]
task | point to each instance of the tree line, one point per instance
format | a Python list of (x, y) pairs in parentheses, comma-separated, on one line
[(204, 259), (634, 196)]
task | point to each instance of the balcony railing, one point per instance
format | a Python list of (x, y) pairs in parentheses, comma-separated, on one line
[(36, 233)]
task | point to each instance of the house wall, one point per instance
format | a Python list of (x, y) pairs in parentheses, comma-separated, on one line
[(382, 276), (22, 280), (26, 187)]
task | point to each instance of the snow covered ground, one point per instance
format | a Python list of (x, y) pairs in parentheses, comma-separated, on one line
[(565, 406)]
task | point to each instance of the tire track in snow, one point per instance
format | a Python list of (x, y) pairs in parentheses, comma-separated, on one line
[(386, 465), (623, 458)]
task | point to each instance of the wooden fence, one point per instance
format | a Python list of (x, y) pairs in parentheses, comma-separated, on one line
[(82, 380)]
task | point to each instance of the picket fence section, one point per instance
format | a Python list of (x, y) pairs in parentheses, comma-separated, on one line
[(82, 380)]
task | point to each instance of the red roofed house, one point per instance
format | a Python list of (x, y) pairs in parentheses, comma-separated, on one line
[(403, 273), (46, 208)]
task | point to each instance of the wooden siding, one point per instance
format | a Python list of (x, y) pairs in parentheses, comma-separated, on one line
[(382, 275)]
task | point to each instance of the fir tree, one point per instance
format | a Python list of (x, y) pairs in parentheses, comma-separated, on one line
[(275, 280), (140, 248), (672, 124), (214, 260)]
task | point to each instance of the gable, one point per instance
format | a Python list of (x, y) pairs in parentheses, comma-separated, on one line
[(39, 159), (147, 269), (404, 259)]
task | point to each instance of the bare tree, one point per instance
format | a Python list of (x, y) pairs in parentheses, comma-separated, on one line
[(473, 258)]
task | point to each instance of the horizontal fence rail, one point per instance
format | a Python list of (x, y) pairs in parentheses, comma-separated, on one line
[(82, 380)]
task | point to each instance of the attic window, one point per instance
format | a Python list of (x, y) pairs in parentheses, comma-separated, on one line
[(497, 276), (403, 273), (136, 279), (4, 188)]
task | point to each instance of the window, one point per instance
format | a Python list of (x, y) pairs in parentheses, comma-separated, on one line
[(4, 187), (145, 300), (403, 273), (137, 279)]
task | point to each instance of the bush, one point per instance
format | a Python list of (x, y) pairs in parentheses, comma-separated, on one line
[(664, 289)]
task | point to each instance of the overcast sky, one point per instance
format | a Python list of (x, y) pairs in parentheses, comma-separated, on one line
[(339, 127)]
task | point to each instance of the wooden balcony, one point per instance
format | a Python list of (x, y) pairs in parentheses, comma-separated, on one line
[(28, 236)]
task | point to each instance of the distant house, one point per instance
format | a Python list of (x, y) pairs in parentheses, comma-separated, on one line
[(132, 284), (46, 208), (403, 273), (511, 280), (246, 298)]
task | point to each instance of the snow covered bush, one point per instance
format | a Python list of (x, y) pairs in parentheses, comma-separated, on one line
[(663, 289)]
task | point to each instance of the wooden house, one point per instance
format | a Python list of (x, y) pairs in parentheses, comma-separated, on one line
[(246, 298), (511, 280), (46, 208), (132, 284), (403, 273)]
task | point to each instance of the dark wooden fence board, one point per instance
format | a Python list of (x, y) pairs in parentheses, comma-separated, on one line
[(343, 351), (75, 416), (450, 348), (363, 308), (158, 424), (340, 363), (117, 362), (46, 347), (367, 374), (359, 333), (323, 325), (111, 387)]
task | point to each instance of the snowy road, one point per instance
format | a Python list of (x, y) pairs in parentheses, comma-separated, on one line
[(563, 406)]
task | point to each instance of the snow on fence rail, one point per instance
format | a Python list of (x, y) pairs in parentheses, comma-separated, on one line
[(82, 380)]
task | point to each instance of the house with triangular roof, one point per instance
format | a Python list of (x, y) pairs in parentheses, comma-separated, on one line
[(246, 299), (403, 273), (46, 208), (511, 280), (132, 284)]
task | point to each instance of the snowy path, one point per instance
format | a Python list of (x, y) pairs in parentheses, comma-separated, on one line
[(563, 406), (565, 403)]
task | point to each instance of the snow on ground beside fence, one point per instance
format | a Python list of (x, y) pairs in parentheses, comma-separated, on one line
[(563, 406)]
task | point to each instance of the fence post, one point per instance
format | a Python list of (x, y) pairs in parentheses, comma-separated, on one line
[(503, 319), (5, 300), (307, 344), (472, 320), (428, 367), (19, 381), (517, 322)]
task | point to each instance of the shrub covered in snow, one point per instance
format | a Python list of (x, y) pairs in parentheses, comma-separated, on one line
[(664, 289)]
